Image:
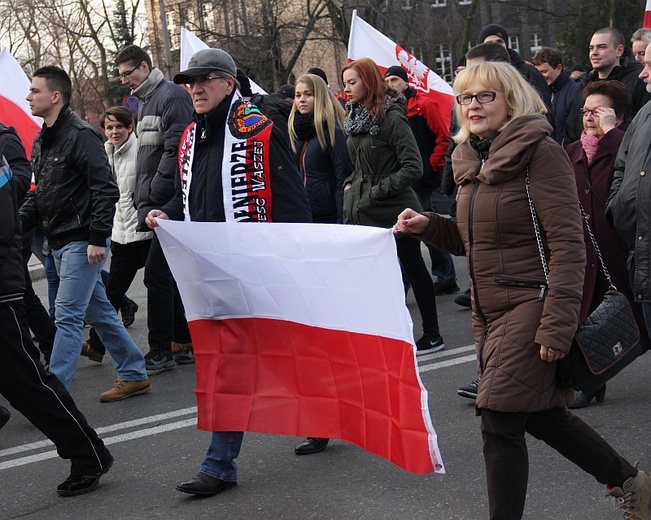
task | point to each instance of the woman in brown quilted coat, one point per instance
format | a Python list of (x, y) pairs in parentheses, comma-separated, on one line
[(522, 324)]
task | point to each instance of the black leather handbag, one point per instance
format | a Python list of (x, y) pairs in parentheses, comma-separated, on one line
[(609, 338)]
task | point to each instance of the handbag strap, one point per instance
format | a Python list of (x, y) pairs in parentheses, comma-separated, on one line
[(541, 248)]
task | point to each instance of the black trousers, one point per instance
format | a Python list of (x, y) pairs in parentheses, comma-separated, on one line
[(39, 319), (165, 313), (415, 270), (42, 399), (507, 461)]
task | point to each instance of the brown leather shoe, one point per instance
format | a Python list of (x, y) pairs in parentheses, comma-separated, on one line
[(90, 353), (123, 389)]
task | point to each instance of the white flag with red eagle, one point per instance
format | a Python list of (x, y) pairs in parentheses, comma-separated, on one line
[(367, 42)]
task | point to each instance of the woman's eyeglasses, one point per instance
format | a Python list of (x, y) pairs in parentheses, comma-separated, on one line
[(585, 111), (482, 97)]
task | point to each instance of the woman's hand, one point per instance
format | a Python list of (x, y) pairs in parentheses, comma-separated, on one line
[(410, 222), (150, 220), (550, 355), (607, 118)]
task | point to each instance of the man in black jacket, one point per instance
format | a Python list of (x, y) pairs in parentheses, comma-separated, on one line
[(234, 165), (32, 390), (74, 202), (611, 60)]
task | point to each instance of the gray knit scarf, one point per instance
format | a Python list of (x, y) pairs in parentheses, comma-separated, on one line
[(360, 121)]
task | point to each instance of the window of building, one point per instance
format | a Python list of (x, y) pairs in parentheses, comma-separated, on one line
[(465, 2), (514, 43), (207, 18), (406, 6), (536, 43), (173, 30), (438, 3), (443, 60)]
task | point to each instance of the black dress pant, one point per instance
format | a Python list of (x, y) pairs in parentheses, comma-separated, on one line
[(507, 461), (41, 398), (39, 319), (165, 314), (415, 270)]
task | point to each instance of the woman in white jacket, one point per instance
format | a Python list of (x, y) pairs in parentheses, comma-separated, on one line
[(129, 247)]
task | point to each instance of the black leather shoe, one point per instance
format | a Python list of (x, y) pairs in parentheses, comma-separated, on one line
[(79, 484), (128, 311), (204, 485), (311, 445), (4, 416)]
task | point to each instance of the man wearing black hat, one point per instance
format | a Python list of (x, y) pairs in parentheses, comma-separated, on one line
[(496, 33), (433, 138), (222, 137)]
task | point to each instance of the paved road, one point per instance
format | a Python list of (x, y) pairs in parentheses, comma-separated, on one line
[(156, 444)]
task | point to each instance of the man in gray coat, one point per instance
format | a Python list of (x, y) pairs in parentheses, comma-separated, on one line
[(164, 111), (629, 204)]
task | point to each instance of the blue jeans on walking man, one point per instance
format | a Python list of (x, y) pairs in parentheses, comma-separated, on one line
[(220, 457), (82, 294)]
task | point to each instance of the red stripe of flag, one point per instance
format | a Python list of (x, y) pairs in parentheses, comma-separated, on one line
[(274, 376)]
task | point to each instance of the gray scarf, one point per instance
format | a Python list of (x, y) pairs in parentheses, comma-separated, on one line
[(360, 121)]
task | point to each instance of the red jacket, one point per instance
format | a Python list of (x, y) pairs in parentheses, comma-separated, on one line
[(432, 136)]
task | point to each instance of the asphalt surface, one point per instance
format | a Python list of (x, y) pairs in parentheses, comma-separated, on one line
[(156, 444)]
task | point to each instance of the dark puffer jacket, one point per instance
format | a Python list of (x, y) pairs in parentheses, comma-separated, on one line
[(164, 112), (324, 173), (75, 189), (494, 229)]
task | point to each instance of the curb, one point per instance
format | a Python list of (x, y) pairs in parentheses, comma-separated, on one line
[(36, 272)]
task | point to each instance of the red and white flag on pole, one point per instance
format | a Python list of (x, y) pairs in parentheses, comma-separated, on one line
[(14, 109), (367, 42), (647, 15), (302, 329)]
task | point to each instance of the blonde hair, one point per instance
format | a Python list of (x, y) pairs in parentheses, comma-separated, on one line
[(328, 113), (521, 98)]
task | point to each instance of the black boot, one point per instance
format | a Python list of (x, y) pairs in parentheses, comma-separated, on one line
[(4, 416), (311, 445), (582, 400)]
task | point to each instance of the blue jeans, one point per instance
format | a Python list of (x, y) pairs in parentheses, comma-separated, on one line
[(52, 283), (442, 265), (220, 457), (82, 294)]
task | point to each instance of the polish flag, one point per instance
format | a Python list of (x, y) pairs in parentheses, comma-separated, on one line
[(14, 109), (190, 44), (367, 42), (302, 329), (647, 15)]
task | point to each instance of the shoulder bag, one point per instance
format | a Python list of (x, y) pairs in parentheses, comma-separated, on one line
[(609, 338)]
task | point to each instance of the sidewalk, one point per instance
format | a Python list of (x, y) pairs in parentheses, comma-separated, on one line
[(36, 269)]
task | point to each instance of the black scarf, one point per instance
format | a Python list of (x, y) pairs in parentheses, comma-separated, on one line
[(482, 145), (304, 126)]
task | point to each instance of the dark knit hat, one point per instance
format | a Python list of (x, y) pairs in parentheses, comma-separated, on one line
[(319, 72), (493, 29), (245, 83), (397, 70), (286, 91)]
